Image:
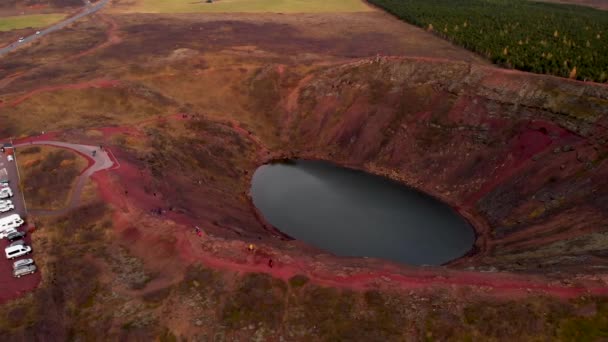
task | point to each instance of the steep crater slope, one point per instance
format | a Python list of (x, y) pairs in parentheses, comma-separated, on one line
[(523, 157)]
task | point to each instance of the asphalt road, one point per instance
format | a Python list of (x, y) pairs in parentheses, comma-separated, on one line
[(87, 10), (13, 287)]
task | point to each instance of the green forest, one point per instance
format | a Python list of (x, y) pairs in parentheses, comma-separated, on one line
[(562, 40)]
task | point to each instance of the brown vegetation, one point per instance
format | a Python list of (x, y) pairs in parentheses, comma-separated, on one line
[(48, 175)]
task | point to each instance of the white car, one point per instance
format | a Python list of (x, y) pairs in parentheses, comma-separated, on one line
[(10, 158), (5, 233), (37, 32), (22, 263), (16, 251), (6, 193), (5, 202), (25, 270), (13, 235), (5, 208), (21, 39)]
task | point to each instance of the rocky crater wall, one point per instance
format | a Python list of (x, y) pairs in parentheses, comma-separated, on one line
[(522, 156)]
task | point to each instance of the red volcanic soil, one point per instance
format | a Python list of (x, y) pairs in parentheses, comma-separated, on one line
[(533, 139), (233, 255), (284, 267)]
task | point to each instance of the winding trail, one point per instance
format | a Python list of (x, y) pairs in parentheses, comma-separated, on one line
[(97, 83), (103, 160)]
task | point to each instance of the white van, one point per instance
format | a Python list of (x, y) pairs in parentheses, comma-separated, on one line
[(16, 251), (10, 222)]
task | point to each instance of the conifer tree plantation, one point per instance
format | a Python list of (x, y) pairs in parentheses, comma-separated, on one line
[(562, 40)]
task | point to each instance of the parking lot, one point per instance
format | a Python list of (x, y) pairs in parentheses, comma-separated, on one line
[(14, 287)]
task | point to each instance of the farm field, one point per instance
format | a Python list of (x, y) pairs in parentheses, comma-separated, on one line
[(283, 6), (561, 40), (29, 21)]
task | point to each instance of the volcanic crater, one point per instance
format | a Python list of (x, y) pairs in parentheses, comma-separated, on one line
[(521, 156), (190, 106)]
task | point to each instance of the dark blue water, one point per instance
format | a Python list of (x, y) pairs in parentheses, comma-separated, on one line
[(351, 213)]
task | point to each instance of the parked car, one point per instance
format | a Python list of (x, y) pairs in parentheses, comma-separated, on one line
[(5, 202), (7, 207), (37, 32), (21, 39), (13, 252), (17, 243), (25, 270), (22, 262), (4, 233), (10, 158), (6, 193), (15, 235)]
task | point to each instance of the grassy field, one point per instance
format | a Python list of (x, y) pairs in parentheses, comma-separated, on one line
[(259, 6), (26, 21)]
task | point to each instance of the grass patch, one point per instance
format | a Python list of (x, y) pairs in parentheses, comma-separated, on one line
[(29, 21), (256, 6), (258, 300), (591, 328)]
